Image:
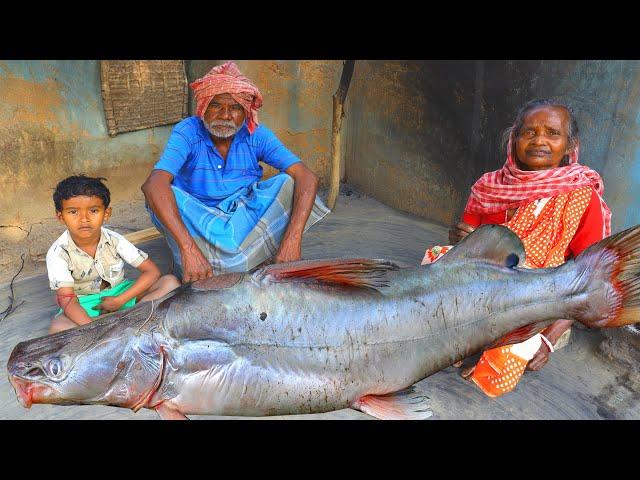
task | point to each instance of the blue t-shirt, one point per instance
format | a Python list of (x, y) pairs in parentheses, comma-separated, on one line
[(199, 169)]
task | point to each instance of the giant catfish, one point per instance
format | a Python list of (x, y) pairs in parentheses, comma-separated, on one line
[(320, 335)]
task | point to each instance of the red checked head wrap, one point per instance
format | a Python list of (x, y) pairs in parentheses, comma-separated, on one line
[(511, 187), (227, 78)]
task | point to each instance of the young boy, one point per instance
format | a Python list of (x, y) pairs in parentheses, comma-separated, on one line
[(86, 263)]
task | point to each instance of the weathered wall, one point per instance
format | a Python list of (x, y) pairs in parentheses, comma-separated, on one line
[(297, 104), (406, 133), (51, 126), (416, 133), (419, 134)]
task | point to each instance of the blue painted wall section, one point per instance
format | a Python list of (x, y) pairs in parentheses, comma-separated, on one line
[(51, 126)]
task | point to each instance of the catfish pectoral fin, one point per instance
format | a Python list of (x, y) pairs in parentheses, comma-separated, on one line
[(520, 335), (167, 412), (406, 404)]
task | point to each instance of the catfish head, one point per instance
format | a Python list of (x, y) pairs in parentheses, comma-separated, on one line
[(107, 362)]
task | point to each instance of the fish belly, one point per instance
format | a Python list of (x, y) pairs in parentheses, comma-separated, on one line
[(294, 351), (270, 380)]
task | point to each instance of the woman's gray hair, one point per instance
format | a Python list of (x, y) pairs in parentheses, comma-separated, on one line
[(530, 105)]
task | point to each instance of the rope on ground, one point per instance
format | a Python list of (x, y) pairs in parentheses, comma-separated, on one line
[(10, 309), (23, 229)]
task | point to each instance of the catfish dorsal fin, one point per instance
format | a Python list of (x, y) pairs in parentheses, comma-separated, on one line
[(492, 243), (351, 272)]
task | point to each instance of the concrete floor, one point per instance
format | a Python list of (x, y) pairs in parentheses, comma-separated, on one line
[(577, 383)]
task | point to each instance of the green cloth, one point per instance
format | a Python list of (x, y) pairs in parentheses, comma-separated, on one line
[(94, 299)]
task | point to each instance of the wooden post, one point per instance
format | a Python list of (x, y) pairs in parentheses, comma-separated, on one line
[(338, 112), (143, 235)]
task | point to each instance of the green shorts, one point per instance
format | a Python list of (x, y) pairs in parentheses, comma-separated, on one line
[(94, 299)]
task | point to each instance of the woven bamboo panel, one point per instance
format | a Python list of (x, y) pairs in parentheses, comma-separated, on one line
[(141, 94)]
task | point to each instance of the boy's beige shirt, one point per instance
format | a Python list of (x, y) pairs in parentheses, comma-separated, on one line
[(69, 266)]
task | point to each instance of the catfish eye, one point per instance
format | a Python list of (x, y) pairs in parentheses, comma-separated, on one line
[(54, 367)]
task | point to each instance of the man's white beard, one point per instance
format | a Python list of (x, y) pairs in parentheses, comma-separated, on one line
[(222, 129)]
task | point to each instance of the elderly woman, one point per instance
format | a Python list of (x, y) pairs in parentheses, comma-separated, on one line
[(552, 203)]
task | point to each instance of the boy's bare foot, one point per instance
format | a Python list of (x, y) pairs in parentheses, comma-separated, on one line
[(61, 323), (458, 364), (161, 287)]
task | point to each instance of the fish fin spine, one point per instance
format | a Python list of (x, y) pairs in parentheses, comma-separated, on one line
[(146, 398), (351, 272), (520, 335)]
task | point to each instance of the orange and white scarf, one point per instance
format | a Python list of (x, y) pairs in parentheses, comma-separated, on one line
[(510, 187)]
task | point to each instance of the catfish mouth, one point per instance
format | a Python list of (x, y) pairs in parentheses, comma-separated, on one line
[(30, 392)]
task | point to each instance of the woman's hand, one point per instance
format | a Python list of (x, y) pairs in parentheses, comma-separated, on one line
[(552, 333), (459, 231), (540, 359)]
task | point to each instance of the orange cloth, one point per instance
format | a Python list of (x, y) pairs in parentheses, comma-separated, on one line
[(498, 371), (547, 236), (434, 253)]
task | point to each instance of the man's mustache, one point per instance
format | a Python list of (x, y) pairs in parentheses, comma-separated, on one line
[(222, 123)]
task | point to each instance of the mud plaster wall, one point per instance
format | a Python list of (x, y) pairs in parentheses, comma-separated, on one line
[(420, 133), (406, 134), (51, 126), (297, 104), (416, 133)]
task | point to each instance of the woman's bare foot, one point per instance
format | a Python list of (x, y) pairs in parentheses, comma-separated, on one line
[(466, 372)]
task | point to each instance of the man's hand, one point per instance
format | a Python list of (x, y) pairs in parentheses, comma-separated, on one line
[(304, 194), (109, 304), (194, 265), (290, 250), (540, 358), (162, 201), (459, 231)]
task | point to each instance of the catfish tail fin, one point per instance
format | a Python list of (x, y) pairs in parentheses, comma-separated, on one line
[(609, 279)]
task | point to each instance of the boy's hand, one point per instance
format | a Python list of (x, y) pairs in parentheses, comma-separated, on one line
[(109, 304)]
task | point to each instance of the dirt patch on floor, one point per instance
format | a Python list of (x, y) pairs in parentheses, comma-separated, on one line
[(33, 240)]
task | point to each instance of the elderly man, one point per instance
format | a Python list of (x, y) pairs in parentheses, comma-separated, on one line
[(205, 192)]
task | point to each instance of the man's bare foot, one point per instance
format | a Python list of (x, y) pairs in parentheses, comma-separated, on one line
[(458, 364)]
